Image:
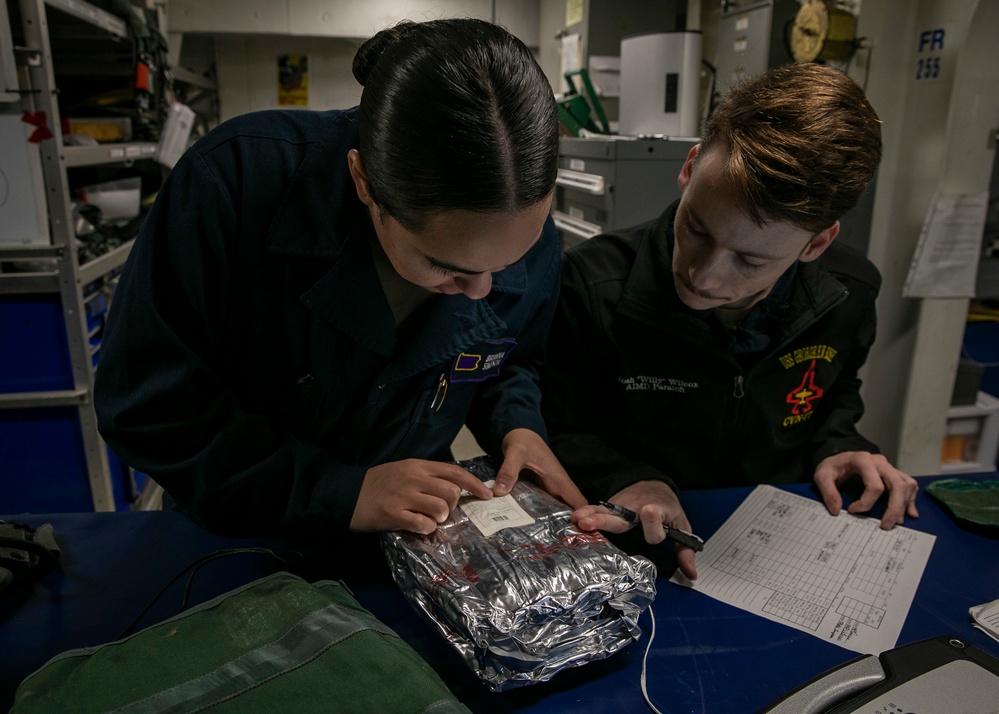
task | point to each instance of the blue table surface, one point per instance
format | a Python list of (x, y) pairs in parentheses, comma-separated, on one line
[(706, 656)]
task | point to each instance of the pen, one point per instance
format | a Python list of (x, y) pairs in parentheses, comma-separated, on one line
[(439, 395), (674, 534)]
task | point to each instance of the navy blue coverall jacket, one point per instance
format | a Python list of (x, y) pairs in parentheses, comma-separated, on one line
[(251, 363)]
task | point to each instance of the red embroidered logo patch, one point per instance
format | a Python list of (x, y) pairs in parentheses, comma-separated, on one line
[(802, 396)]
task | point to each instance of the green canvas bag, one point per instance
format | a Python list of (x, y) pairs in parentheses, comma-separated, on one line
[(279, 644)]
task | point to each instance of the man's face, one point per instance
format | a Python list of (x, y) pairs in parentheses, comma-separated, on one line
[(721, 258)]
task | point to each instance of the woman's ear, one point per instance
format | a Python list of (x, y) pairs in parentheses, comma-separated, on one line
[(360, 176)]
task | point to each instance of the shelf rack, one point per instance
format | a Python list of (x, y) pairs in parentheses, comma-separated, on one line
[(61, 272)]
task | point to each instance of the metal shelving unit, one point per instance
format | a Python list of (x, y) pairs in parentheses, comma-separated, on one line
[(60, 271)]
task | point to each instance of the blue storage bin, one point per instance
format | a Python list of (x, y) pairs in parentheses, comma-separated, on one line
[(43, 461), (44, 466), (981, 345), (35, 353)]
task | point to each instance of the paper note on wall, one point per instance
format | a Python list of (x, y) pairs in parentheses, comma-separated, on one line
[(945, 262), (573, 12), (570, 57)]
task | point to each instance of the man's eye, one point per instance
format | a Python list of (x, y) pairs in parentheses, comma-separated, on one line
[(695, 232)]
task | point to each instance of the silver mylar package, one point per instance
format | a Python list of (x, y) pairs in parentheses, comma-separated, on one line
[(527, 601)]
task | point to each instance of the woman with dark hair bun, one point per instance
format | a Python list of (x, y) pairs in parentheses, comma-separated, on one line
[(494, 148), (318, 301)]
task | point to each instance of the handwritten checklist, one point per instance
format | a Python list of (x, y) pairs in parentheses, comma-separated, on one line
[(842, 578)]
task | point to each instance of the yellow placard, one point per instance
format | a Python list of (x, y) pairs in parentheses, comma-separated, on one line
[(573, 12), (293, 80)]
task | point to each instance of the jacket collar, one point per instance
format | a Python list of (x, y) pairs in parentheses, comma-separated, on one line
[(650, 295), (350, 298)]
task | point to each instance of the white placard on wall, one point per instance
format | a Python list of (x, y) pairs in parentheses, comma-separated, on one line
[(22, 191), (945, 262)]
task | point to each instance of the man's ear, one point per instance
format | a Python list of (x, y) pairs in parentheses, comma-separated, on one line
[(817, 245), (360, 176), (684, 178)]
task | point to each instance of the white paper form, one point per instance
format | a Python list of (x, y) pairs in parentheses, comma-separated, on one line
[(986, 618), (840, 578), (945, 262)]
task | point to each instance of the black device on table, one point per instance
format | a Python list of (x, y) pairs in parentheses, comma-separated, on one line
[(943, 674)]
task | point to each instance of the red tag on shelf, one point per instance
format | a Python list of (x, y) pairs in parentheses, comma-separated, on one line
[(142, 77), (37, 120)]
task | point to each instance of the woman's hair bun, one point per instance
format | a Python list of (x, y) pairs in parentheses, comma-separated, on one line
[(373, 48)]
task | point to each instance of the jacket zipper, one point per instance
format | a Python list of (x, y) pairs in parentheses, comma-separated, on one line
[(739, 392)]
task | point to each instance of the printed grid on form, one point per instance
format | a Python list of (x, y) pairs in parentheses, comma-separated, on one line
[(839, 578)]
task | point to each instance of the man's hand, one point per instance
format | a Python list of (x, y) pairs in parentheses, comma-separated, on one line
[(412, 495), (524, 449), (877, 475), (656, 504)]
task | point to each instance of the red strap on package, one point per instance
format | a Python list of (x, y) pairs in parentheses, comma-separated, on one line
[(37, 120)]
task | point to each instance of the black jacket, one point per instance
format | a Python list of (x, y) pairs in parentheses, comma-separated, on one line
[(637, 386), (251, 362)]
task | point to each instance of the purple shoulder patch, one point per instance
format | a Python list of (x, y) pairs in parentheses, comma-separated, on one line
[(482, 361)]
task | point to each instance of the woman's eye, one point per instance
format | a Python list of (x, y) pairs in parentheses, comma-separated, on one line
[(441, 269)]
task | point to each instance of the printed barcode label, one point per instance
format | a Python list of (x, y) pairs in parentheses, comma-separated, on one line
[(495, 514)]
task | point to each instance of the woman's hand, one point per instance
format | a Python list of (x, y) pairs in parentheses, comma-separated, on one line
[(412, 495)]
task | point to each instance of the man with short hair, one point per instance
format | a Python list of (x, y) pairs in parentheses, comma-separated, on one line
[(720, 344)]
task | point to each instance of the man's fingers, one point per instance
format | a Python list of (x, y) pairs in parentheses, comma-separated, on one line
[(597, 518), (830, 494), (652, 524), (894, 516), (873, 488), (655, 532), (877, 476), (898, 503), (901, 498), (685, 561)]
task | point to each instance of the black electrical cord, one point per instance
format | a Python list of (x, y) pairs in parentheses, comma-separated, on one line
[(194, 567)]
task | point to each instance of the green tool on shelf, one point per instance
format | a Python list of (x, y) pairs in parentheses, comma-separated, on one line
[(574, 109)]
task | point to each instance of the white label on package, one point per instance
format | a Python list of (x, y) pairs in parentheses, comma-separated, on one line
[(494, 515)]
